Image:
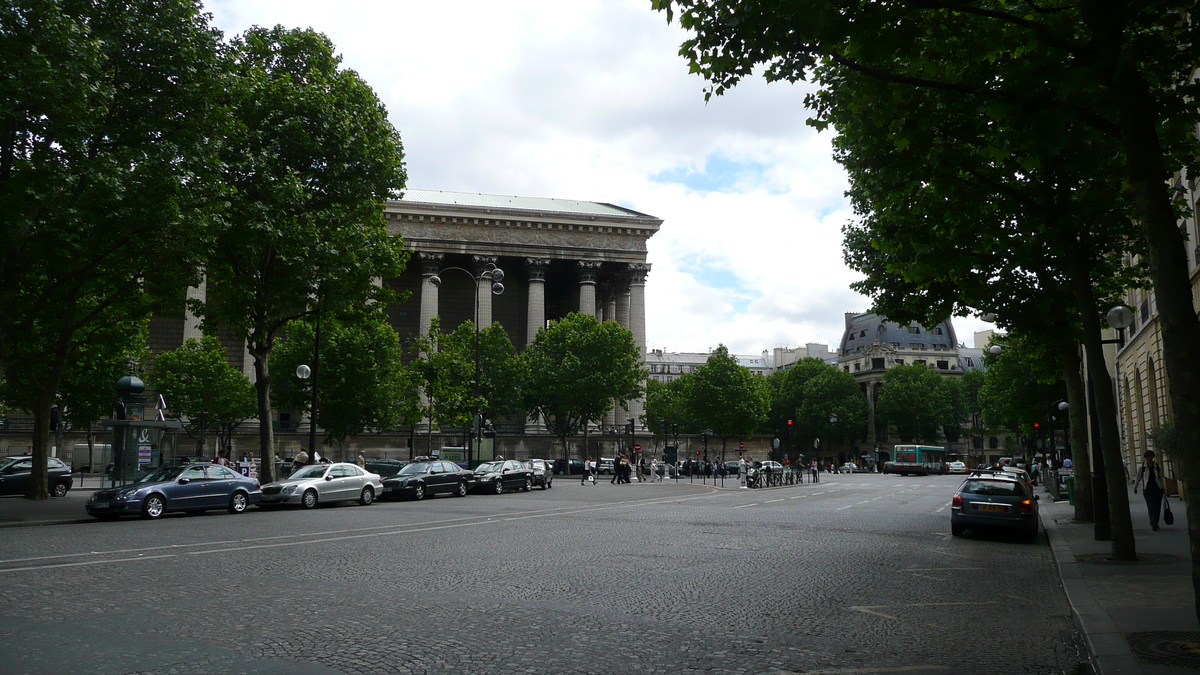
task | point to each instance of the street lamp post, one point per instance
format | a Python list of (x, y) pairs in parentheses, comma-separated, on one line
[(304, 372), (833, 418), (494, 275)]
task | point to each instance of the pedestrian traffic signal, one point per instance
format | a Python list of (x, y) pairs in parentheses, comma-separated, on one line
[(1036, 425)]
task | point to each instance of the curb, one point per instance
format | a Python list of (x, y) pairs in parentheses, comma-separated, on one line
[(1109, 652)]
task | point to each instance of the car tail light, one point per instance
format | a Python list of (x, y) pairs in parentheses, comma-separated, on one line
[(1026, 506), (957, 501)]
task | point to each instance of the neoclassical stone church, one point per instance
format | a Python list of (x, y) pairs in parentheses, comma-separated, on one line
[(558, 256)]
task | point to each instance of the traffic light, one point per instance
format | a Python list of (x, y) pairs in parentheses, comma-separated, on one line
[(629, 427), (675, 429), (1036, 425)]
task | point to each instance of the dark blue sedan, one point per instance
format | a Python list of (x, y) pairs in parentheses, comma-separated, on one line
[(194, 488)]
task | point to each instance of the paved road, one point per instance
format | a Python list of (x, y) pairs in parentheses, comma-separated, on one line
[(857, 574)]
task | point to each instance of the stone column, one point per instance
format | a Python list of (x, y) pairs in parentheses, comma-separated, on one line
[(587, 286), (191, 322), (535, 316), (621, 311), (431, 264), (610, 303), (637, 324), (483, 289)]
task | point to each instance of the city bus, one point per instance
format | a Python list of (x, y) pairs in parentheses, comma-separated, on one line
[(921, 460)]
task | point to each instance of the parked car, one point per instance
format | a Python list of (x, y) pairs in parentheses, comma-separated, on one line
[(15, 473), (421, 479), (1019, 473), (323, 483), (194, 488), (572, 467), (501, 475), (956, 467), (849, 467), (385, 468), (606, 466), (994, 500), (543, 473)]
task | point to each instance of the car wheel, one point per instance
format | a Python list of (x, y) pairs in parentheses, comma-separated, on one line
[(419, 492), (154, 507), (528, 484), (367, 496), (462, 489), (238, 502), (309, 500), (59, 490), (957, 529), (499, 486)]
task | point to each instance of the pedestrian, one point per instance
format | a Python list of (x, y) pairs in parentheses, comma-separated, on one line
[(1150, 475), (643, 472), (361, 461), (816, 472), (654, 470), (742, 470), (587, 471), (616, 470)]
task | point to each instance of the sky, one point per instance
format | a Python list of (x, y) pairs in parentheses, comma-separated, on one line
[(590, 100)]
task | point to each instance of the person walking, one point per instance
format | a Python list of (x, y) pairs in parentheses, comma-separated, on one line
[(742, 470), (587, 471), (816, 472), (361, 461), (654, 470), (1150, 476)]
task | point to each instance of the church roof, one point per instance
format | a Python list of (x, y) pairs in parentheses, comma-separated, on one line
[(544, 204)]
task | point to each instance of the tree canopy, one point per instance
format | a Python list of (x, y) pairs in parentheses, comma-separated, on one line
[(725, 398), (201, 388)]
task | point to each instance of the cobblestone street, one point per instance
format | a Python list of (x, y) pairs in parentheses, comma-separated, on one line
[(856, 574)]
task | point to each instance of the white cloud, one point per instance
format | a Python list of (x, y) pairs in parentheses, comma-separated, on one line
[(590, 100)]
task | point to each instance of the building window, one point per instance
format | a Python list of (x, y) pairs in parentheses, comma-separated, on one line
[(899, 362), (877, 364), (862, 333), (894, 344), (1145, 309), (915, 330), (846, 368), (857, 366), (937, 331), (943, 365), (970, 362), (918, 345)]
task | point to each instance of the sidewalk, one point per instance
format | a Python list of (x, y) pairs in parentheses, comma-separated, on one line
[(1139, 617), (21, 512)]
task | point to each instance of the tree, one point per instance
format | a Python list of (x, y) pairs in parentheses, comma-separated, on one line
[(310, 159), (363, 383), (1124, 73), (725, 397), (913, 402), (832, 392), (200, 386), (666, 406), (786, 391), (578, 367), (106, 177)]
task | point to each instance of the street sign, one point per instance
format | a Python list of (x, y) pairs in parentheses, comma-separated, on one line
[(741, 446), (637, 447)]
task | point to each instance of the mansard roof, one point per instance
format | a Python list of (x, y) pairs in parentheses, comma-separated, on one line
[(863, 330)]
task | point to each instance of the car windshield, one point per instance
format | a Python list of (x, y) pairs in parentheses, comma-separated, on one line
[(160, 475), (992, 487), (490, 467), (313, 471), (414, 468)]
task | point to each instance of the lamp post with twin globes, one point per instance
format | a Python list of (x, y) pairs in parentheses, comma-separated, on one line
[(494, 275)]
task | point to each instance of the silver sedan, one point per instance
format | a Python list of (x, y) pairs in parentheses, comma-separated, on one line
[(322, 483)]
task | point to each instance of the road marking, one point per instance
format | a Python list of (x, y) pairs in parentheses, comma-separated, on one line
[(940, 509), (843, 507), (797, 497), (937, 569), (772, 501), (926, 576), (862, 670), (866, 610), (819, 493), (744, 506), (865, 501), (89, 562), (877, 499)]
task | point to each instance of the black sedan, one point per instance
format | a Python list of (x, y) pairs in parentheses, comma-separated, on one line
[(194, 488), (384, 468), (16, 472), (501, 475), (419, 479), (994, 500)]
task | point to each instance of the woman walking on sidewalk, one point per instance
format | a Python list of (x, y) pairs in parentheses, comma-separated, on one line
[(1151, 476)]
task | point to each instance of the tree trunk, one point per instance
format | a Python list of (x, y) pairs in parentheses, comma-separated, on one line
[(1123, 545), (1070, 363), (41, 440), (266, 432)]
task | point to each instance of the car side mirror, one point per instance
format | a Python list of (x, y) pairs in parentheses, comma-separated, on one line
[(328, 477), (184, 481)]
